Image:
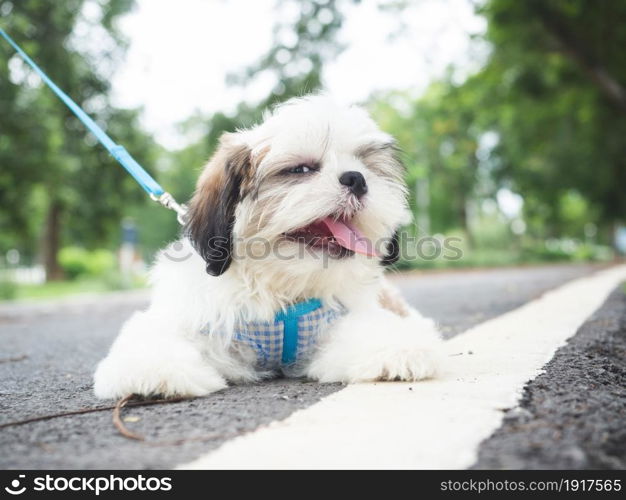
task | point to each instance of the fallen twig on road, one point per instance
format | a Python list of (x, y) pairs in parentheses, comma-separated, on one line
[(84, 411), (123, 430), (117, 421), (127, 402), (13, 360)]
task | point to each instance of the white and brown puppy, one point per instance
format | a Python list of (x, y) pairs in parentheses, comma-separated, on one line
[(300, 208)]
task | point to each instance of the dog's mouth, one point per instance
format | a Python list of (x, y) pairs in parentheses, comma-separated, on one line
[(338, 237)]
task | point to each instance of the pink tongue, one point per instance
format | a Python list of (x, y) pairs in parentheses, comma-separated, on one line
[(349, 237)]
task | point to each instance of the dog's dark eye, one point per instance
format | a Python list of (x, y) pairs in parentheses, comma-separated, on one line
[(302, 169)]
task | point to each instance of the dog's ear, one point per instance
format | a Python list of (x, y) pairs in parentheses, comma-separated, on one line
[(393, 250), (211, 214)]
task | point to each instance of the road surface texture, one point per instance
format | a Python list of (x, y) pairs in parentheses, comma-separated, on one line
[(573, 416), (570, 417)]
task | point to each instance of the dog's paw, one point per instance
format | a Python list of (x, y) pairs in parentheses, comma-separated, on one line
[(173, 372), (410, 364), (366, 353)]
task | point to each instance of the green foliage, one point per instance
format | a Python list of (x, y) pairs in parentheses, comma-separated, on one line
[(8, 289), (564, 249), (300, 49), (49, 161), (552, 100), (544, 117), (554, 89), (59, 289), (79, 262), (439, 143)]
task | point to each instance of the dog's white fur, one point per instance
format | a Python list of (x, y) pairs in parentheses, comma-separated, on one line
[(161, 350)]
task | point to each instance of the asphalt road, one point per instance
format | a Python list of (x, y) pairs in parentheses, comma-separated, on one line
[(573, 415), (49, 353)]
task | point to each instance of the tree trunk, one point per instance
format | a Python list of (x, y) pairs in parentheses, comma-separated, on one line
[(51, 242), (422, 202), (467, 217)]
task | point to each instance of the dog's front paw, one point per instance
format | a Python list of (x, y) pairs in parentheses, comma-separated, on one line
[(178, 371), (410, 364), (357, 358)]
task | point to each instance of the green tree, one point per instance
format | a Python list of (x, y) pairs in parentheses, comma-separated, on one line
[(554, 89), (438, 139), (300, 49), (57, 185)]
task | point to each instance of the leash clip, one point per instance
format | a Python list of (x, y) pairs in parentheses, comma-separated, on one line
[(168, 201)]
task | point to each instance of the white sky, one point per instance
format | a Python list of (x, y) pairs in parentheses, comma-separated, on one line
[(181, 51)]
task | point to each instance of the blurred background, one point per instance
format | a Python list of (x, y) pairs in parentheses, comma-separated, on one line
[(511, 116)]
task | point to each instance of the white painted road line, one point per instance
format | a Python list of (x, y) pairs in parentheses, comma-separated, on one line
[(432, 424)]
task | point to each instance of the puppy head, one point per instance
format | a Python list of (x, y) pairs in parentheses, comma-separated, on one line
[(315, 183)]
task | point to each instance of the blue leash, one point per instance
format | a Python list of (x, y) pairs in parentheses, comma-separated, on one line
[(118, 152)]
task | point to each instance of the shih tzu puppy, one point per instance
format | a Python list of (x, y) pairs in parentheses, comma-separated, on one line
[(280, 270)]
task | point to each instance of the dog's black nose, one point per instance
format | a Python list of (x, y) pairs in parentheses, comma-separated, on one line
[(355, 182)]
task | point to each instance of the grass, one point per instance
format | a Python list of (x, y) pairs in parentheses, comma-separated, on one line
[(481, 258), (499, 257), (57, 289)]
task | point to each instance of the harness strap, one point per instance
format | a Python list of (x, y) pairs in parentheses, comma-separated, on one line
[(289, 317)]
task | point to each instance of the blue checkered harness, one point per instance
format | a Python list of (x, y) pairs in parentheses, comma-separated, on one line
[(291, 338)]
